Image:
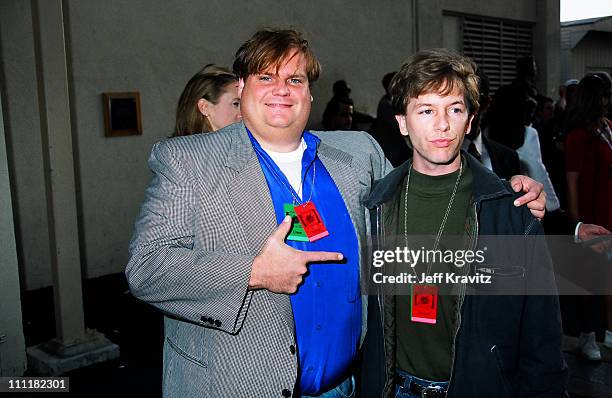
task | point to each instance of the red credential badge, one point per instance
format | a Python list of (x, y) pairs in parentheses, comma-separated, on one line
[(311, 221), (424, 304)]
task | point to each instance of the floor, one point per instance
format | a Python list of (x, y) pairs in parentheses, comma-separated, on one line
[(138, 329)]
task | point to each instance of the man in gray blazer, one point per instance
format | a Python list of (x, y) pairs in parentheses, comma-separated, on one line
[(257, 303)]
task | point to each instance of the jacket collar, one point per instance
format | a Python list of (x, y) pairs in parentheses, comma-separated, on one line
[(486, 184)]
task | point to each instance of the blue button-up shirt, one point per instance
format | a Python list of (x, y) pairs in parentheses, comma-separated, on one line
[(327, 306)]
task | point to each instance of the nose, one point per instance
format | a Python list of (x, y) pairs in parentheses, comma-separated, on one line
[(281, 88), (441, 122)]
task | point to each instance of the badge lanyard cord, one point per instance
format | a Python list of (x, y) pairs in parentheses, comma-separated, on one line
[(295, 197), (442, 225)]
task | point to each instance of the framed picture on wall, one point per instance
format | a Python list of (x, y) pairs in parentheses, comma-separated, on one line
[(122, 114)]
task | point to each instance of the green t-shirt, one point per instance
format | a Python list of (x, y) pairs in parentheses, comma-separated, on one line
[(424, 350)]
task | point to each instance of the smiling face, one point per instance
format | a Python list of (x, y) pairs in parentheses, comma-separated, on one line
[(275, 104), (436, 125)]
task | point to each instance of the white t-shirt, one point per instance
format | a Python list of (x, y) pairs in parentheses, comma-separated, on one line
[(290, 163)]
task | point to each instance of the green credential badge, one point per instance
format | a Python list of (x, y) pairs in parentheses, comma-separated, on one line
[(297, 232)]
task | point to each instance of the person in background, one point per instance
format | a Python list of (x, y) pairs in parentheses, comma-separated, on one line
[(589, 183), (385, 129), (338, 114), (509, 123), (496, 157), (209, 101), (342, 93)]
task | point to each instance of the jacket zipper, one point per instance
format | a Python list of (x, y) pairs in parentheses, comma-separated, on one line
[(461, 299), (381, 307)]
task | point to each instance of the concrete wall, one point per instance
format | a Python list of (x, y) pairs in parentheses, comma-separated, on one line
[(519, 10), (154, 47), (593, 53), (23, 138), (12, 344)]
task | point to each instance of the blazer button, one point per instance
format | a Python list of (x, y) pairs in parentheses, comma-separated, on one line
[(218, 323), (292, 348), (286, 393)]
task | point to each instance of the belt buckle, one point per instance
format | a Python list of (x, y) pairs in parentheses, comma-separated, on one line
[(433, 392)]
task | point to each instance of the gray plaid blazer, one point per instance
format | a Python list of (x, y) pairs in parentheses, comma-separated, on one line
[(206, 214)]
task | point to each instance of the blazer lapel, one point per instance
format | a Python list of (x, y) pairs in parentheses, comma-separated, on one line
[(354, 184), (252, 202)]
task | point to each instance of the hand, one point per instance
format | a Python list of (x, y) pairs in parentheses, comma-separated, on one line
[(280, 268), (535, 197), (587, 232)]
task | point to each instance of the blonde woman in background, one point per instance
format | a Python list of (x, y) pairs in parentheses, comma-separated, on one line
[(209, 101)]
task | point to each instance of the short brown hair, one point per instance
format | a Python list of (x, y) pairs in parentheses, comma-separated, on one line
[(209, 84), (439, 71), (270, 48)]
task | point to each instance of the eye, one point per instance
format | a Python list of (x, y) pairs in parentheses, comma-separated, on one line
[(456, 109), (295, 80), (265, 78), (236, 104), (426, 112)]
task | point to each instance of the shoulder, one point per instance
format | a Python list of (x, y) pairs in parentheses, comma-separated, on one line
[(358, 147), (495, 146), (346, 140), (199, 148)]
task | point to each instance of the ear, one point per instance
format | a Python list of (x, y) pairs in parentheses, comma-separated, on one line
[(401, 121), (240, 86), (203, 106), (468, 128)]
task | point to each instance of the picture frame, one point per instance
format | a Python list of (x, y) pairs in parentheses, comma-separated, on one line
[(122, 116)]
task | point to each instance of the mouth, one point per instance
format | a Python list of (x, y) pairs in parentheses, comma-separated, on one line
[(441, 143), (276, 105)]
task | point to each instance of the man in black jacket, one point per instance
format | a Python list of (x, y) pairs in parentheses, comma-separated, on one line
[(502, 160), (458, 342)]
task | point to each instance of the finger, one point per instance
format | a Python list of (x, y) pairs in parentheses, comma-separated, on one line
[(516, 183), (282, 230), (603, 231), (322, 256), (528, 198)]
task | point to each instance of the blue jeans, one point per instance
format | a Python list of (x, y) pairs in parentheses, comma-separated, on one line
[(403, 391), (346, 389)]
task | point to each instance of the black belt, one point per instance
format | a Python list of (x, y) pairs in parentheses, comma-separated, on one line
[(423, 391)]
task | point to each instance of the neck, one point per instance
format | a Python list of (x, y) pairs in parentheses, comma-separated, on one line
[(431, 169), (277, 139)]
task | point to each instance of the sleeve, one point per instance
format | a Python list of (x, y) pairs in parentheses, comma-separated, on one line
[(531, 156), (542, 368), (204, 287), (381, 164)]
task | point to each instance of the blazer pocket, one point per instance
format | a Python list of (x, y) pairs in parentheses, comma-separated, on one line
[(185, 354), (190, 341)]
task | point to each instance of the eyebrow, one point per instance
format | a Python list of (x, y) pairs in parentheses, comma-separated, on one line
[(419, 104)]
